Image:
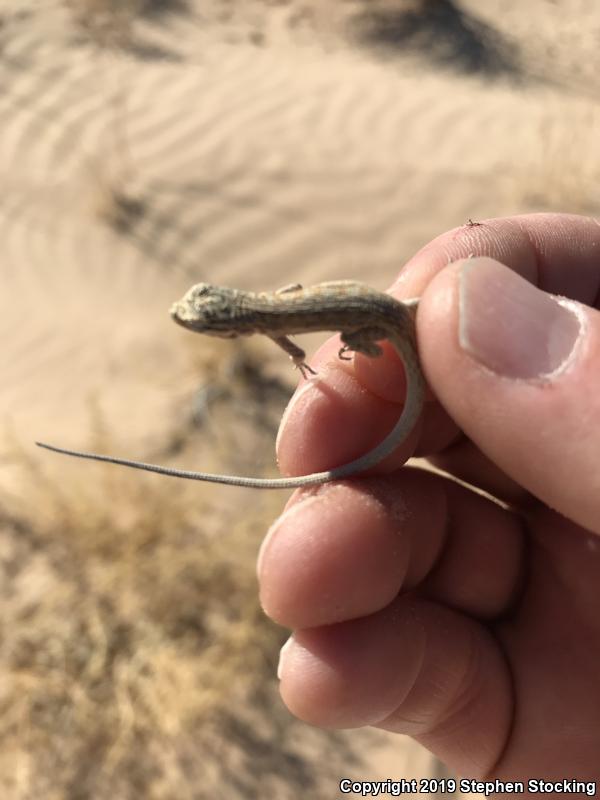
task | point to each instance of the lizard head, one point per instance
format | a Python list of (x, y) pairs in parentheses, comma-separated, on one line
[(207, 309)]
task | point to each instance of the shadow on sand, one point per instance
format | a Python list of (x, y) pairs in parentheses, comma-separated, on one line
[(441, 32)]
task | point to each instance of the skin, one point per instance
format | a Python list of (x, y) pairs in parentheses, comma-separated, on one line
[(417, 604)]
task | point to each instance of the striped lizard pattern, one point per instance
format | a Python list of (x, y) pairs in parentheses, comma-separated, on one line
[(362, 315)]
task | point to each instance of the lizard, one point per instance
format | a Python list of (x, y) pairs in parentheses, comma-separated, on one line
[(362, 315)]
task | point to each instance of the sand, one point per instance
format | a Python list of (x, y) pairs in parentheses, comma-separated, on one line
[(263, 145)]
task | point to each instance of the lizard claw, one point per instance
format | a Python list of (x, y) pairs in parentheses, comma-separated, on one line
[(305, 370)]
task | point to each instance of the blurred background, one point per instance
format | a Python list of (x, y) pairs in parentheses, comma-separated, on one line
[(148, 145)]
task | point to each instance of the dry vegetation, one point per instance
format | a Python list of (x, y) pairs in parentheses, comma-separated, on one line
[(136, 661), (107, 22)]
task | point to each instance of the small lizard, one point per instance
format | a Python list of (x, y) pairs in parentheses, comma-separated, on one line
[(363, 316)]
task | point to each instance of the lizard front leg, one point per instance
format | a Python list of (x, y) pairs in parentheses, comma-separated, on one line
[(296, 353)]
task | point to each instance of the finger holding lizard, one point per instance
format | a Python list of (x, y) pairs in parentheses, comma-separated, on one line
[(423, 608)]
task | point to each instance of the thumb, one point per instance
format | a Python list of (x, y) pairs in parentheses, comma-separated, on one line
[(518, 371)]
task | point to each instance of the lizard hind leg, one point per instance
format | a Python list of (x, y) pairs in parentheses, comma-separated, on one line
[(363, 341)]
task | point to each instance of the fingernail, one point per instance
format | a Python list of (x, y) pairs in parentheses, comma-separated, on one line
[(283, 653), (510, 326)]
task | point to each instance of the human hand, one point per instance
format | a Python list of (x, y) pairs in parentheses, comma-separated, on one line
[(418, 604)]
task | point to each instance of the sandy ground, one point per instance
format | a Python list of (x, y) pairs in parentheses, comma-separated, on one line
[(263, 144), (251, 144)]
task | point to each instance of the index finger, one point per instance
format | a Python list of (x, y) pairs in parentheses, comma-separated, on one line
[(355, 404), (559, 253)]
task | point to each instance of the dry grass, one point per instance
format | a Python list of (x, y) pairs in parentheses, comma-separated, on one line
[(108, 23), (136, 661)]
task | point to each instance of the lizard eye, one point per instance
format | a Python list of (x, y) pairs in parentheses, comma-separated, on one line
[(206, 299), (200, 290)]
